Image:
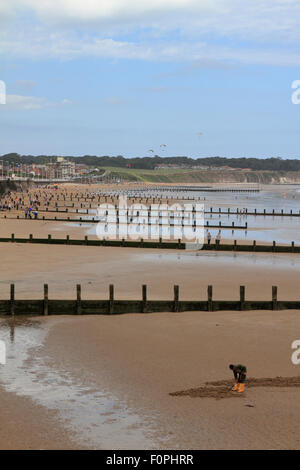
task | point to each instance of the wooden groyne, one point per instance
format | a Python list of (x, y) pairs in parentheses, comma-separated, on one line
[(111, 305), (95, 220), (160, 244), (255, 212), (263, 212)]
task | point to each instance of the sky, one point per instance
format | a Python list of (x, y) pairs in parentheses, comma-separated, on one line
[(123, 77)]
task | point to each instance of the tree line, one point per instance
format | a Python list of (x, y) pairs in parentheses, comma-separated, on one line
[(149, 163)]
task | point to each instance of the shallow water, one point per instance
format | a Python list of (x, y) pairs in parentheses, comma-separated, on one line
[(260, 228), (94, 418), (221, 258)]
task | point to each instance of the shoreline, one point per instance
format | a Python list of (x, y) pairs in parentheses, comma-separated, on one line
[(142, 359)]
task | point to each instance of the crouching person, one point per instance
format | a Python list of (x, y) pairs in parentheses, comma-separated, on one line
[(239, 372)]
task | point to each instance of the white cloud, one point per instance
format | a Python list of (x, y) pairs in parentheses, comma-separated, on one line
[(25, 84), (107, 10), (115, 100), (20, 102), (25, 102), (66, 102), (207, 31), (245, 18)]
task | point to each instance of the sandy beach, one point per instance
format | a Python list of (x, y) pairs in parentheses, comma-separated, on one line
[(148, 381), (27, 426), (141, 360), (146, 357), (62, 267)]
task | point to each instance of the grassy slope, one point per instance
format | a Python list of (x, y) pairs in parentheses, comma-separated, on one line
[(175, 175)]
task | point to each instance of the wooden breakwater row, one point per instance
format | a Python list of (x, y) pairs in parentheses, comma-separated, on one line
[(263, 212), (160, 243), (95, 220), (229, 211), (110, 306)]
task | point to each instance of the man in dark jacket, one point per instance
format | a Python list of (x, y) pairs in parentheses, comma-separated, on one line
[(239, 372)]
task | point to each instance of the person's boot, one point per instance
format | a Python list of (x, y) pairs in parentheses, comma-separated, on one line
[(235, 387), (242, 388)]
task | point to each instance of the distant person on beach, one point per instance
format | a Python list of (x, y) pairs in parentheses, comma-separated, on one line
[(239, 372), (208, 238), (218, 238)]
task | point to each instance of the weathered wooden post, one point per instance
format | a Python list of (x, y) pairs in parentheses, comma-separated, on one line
[(49, 237), (209, 298), (45, 305), (242, 297), (86, 240), (12, 299), (111, 299), (68, 239), (274, 298), (12, 237), (78, 299), (176, 299), (144, 296)]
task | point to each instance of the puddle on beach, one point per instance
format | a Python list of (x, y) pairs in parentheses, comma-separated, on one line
[(225, 258), (93, 418)]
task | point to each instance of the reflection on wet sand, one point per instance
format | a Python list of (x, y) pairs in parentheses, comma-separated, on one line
[(94, 418)]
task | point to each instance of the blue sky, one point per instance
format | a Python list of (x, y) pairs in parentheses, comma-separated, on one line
[(121, 77)]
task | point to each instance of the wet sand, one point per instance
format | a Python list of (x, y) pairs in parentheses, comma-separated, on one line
[(144, 358), (62, 267), (26, 425)]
